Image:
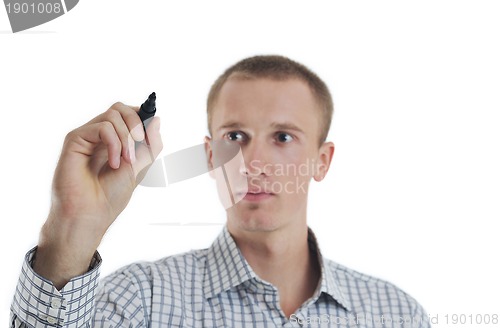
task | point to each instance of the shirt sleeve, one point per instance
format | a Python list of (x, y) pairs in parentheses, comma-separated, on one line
[(37, 302)]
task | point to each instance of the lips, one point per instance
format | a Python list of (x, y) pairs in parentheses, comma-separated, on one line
[(255, 195), (258, 191), (254, 191)]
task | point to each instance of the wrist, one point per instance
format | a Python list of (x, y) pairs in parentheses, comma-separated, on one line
[(64, 251), (60, 266)]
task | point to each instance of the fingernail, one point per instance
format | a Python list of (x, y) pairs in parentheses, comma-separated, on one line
[(115, 162), (137, 132)]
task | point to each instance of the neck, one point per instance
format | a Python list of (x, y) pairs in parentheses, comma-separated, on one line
[(282, 258)]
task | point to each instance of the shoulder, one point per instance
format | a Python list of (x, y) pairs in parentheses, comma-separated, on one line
[(369, 293)]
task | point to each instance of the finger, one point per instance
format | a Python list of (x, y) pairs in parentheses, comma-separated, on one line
[(129, 116), (127, 150), (85, 140), (132, 120), (128, 126), (147, 152)]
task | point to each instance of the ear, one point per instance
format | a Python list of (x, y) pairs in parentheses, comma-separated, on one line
[(324, 159), (208, 151)]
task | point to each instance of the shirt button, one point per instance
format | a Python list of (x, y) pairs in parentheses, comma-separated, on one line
[(51, 320), (55, 304)]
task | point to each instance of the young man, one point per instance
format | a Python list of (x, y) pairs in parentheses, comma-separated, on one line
[(265, 268)]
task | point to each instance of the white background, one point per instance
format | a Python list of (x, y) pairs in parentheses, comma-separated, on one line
[(413, 191)]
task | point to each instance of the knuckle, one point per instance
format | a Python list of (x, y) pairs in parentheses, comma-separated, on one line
[(116, 105), (107, 131), (111, 114), (132, 117), (70, 135), (106, 125)]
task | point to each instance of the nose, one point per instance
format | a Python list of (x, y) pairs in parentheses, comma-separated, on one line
[(257, 156)]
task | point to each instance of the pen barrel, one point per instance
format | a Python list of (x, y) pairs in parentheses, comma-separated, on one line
[(146, 116), (148, 109)]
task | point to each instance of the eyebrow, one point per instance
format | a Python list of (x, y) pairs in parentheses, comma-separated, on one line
[(287, 126), (275, 125), (230, 125)]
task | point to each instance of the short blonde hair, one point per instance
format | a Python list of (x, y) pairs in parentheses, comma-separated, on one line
[(277, 68)]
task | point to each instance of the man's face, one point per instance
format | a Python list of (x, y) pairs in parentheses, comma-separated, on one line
[(276, 124)]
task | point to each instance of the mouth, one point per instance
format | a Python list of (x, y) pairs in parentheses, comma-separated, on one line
[(255, 196)]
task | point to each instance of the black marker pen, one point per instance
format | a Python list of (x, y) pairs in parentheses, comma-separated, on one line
[(146, 113), (148, 109)]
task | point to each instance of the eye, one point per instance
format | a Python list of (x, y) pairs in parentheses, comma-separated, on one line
[(283, 137), (236, 136)]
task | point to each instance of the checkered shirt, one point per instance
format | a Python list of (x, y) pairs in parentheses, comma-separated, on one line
[(213, 287)]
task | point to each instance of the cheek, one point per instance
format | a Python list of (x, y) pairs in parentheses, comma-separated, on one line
[(296, 165), (292, 178)]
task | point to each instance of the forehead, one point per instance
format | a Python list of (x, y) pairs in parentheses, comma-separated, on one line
[(260, 99)]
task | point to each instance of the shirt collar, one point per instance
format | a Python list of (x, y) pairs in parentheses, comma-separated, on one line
[(226, 268), (330, 283)]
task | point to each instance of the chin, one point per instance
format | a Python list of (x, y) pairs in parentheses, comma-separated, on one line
[(251, 219)]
